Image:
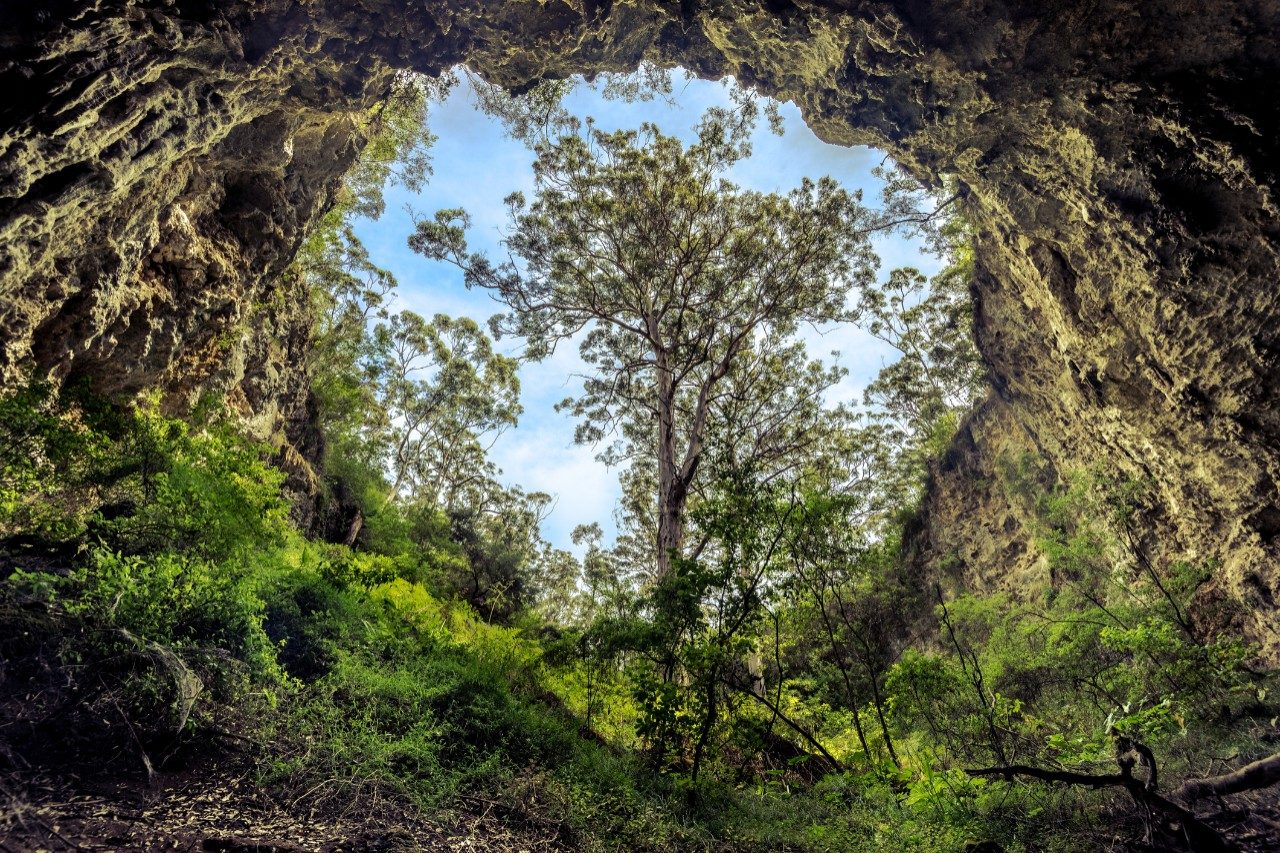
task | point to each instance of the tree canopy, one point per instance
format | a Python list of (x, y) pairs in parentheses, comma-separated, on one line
[(683, 291)]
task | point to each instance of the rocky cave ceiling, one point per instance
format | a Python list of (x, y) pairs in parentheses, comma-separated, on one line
[(160, 162)]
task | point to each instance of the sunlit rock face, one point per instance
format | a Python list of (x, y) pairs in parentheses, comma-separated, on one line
[(160, 162)]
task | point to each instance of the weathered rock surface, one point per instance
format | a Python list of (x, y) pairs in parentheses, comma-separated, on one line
[(160, 161)]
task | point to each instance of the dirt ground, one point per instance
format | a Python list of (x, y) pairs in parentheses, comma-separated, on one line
[(222, 810)]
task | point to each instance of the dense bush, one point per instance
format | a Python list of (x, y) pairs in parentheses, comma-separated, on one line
[(187, 606)]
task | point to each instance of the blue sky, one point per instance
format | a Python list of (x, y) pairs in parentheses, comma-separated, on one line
[(475, 166)]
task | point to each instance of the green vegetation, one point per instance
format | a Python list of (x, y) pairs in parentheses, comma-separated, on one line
[(690, 291), (766, 669)]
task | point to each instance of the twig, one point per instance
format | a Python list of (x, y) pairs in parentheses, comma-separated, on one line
[(146, 759)]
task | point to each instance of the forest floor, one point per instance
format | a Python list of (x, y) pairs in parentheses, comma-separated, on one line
[(222, 809)]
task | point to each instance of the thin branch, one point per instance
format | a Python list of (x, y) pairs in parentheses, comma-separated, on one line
[(791, 724)]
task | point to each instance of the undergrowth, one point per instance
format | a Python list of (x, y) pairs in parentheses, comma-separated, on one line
[(157, 605), (157, 600)]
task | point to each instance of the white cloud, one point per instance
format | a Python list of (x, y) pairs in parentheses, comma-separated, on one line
[(544, 458)]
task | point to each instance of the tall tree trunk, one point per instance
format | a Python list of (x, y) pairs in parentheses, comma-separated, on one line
[(671, 490), (353, 530), (670, 528)]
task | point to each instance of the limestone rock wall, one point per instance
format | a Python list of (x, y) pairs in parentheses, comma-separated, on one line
[(161, 159), (155, 178)]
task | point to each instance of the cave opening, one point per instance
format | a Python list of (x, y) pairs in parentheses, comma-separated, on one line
[(1083, 140), (1081, 573)]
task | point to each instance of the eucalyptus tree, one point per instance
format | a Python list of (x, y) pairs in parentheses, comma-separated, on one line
[(770, 418), (345, 287), (406, 404), (507, 561), (929, 322), (676, 280), (443, 390), (918, 400)]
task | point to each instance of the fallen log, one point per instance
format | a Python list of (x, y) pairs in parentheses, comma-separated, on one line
[(1262, 773), (1198, 835)]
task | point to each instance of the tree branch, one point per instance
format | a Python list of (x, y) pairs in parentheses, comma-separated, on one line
[(1260, 774), (1199, 835), (791, 724)]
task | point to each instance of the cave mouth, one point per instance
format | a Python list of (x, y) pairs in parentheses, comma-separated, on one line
[(161, 164)]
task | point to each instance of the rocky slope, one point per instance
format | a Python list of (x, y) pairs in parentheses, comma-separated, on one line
[(161, 159)]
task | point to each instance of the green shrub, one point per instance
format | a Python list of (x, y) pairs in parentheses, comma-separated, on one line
[(50, 456)]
